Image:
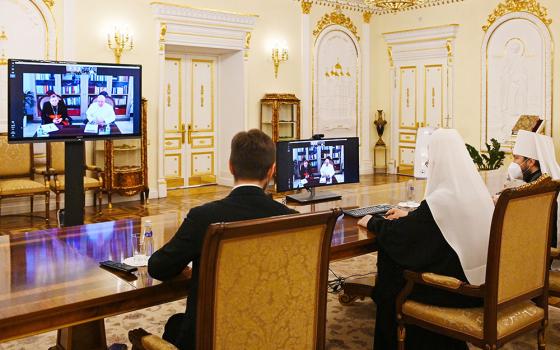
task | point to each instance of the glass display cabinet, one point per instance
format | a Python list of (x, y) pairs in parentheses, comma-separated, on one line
[(124, 164), (280, 116)]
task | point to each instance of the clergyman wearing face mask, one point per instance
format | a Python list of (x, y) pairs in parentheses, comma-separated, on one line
[(525, 165), (523, 168)]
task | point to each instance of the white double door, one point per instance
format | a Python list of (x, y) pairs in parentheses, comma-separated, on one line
[(190, 120)]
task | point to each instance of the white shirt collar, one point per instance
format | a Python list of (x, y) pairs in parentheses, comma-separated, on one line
[(242, 185)]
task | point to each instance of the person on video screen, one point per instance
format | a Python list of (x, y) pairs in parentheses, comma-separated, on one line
[(100, 112), (305, 170), (327, 169), (54, 111)]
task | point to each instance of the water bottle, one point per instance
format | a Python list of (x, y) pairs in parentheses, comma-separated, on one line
[(410, 191), (148, 238)]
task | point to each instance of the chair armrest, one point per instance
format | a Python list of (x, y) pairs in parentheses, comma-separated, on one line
[(447, 283), (93, 168), (555, 253)]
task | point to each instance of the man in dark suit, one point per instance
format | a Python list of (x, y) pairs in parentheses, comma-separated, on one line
[(252, 163)]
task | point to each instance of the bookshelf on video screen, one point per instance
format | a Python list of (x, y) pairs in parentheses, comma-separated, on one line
[(67, 100)]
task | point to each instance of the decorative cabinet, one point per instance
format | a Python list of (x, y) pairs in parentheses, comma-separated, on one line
[(280, 116), (124, 163)]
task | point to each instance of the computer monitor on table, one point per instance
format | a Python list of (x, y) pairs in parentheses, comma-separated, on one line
[(307, 164)]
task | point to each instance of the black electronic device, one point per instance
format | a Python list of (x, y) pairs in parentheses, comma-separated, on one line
[(69, 101), (376, 210), (307, 164), (118, 266)]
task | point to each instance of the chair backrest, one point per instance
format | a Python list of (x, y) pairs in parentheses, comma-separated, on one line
[(263, 283), (519, 246), (42, 101), (17, 160), (55, 156)]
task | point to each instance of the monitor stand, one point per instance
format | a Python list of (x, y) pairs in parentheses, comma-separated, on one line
[(74, 170), (311, 196)]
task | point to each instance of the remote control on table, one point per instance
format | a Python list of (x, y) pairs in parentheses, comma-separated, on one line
[(118, 266)]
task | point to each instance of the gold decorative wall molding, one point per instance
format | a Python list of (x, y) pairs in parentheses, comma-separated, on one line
[(367, 16), (335, 18), (306, 7), (49, 3), (390, 53), (362, 6), (509, 6), (247, 44)]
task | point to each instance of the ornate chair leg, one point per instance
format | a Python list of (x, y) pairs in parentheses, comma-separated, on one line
[(47, 205), (541, 337), (401, 336), (100, 199), (31, 204), (57, 201)]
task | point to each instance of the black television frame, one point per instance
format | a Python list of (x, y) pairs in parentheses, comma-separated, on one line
[(85, 137), (313, 196)]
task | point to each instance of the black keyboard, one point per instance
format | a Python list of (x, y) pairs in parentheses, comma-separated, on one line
[(378, 209)]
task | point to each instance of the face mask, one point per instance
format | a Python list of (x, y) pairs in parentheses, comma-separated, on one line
[(515, 172)]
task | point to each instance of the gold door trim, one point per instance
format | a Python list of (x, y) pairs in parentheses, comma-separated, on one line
[(168, 142), (407, 133), (179, 159), (197, 146), (211, 62), (193, 154), (426, 67), (402, 69), (180, 95), (401, 164)]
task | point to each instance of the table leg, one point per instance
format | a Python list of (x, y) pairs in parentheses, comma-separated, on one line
[(90, 335)]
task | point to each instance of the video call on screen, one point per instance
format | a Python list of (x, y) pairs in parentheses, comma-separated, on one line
[(58, 100), (313, 163)]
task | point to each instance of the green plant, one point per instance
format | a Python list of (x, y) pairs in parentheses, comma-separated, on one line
[(490, 161)]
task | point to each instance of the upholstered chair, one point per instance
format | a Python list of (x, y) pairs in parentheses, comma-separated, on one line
[(17, 173), (263, 284), (516, 290), (93, 181), (554, 277)]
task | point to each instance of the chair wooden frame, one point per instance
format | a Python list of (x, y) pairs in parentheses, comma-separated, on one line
[(52, 174), (554, 255), (218, 232), (32, 172), (488, 291)]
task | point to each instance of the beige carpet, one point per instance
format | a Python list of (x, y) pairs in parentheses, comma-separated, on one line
[(348, 327)]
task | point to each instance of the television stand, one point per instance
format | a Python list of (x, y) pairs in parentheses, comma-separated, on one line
[(312, 197), (74, 170)]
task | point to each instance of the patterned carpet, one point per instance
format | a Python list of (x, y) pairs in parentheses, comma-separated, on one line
[(348, 327)]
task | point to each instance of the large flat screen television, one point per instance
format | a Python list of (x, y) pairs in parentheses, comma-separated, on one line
[(314, 163), (53, 100)]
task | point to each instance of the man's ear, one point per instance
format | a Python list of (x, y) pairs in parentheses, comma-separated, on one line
[(231, 168), (271, 171)]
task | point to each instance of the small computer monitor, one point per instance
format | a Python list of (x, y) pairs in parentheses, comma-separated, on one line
[(62, 101), (315, 163)]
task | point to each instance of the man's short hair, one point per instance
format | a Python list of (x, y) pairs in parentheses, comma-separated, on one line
[(252, 154)]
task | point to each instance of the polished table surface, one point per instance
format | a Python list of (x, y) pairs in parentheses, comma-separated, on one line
[(52, 279)]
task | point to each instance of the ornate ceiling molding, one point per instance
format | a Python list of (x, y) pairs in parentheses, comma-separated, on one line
[(362, 6), (306, 6), (49, 3), (530, 6), (335, 18)]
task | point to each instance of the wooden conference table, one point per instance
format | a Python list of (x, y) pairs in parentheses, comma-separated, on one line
[(51, 279)]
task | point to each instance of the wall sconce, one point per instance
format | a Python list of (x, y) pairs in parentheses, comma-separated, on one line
[(3, 44), (278, 55), (122, 41)]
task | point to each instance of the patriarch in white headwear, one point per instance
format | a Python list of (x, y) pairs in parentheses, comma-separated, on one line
[(459, 201), (525, 165)]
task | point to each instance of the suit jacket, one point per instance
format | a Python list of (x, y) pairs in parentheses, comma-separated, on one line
[(243, 203)]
